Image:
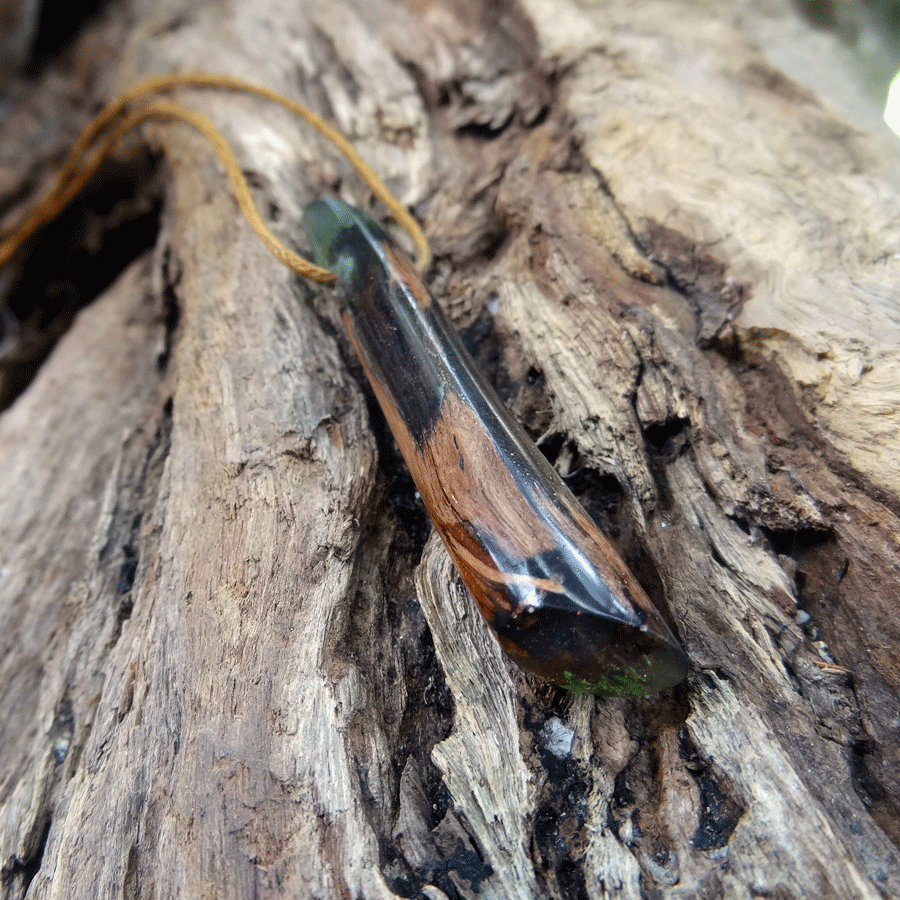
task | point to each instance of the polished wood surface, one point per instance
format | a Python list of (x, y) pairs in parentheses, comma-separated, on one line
[(560, 600)]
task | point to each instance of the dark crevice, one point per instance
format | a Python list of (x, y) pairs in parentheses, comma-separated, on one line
[(867, 784), (559, 827), (558, 831), (128, 569), (18, 194), (694, 272), (455, 854), (552, 445), (637, 813), (793, 546), (466, 863), (172, 310), (482, 131), (794, 541), (400, 492), (63, 729), (577, 161), (541, 117), (600, 493), (480, 339), (58, 23), (131, 883), (464, 860), (24, 870), (717, 557), (622, 798), (72, 260), (498, 86), (127, 574), (120, 556), (536, 377), (666, 438), (716, 822), (426, 717), (719, 812), (870, 762)]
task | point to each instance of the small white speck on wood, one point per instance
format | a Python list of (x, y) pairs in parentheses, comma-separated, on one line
[(228, 668)]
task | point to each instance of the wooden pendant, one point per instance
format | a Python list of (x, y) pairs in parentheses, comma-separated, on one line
[(554, 591)]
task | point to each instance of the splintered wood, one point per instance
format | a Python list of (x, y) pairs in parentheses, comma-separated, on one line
[(229, 669)]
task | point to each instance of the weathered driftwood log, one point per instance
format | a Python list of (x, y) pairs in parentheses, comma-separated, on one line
[(231, 663)]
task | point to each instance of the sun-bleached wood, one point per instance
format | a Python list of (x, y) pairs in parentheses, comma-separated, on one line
[(228, 668)]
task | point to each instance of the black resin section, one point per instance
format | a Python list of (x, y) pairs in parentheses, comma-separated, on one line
[(384, 318)]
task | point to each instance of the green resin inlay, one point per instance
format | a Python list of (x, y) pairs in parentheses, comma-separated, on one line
[(616, 684), (326, 222)]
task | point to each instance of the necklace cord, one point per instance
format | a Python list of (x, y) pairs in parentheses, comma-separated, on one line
[(78, 167)]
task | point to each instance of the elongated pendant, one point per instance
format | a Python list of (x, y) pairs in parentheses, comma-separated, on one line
[(557, 595)]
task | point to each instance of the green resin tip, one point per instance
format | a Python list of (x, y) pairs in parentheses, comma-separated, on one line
[(328, 222)]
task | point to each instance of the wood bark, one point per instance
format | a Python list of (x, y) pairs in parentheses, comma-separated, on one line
[(232, 661)]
